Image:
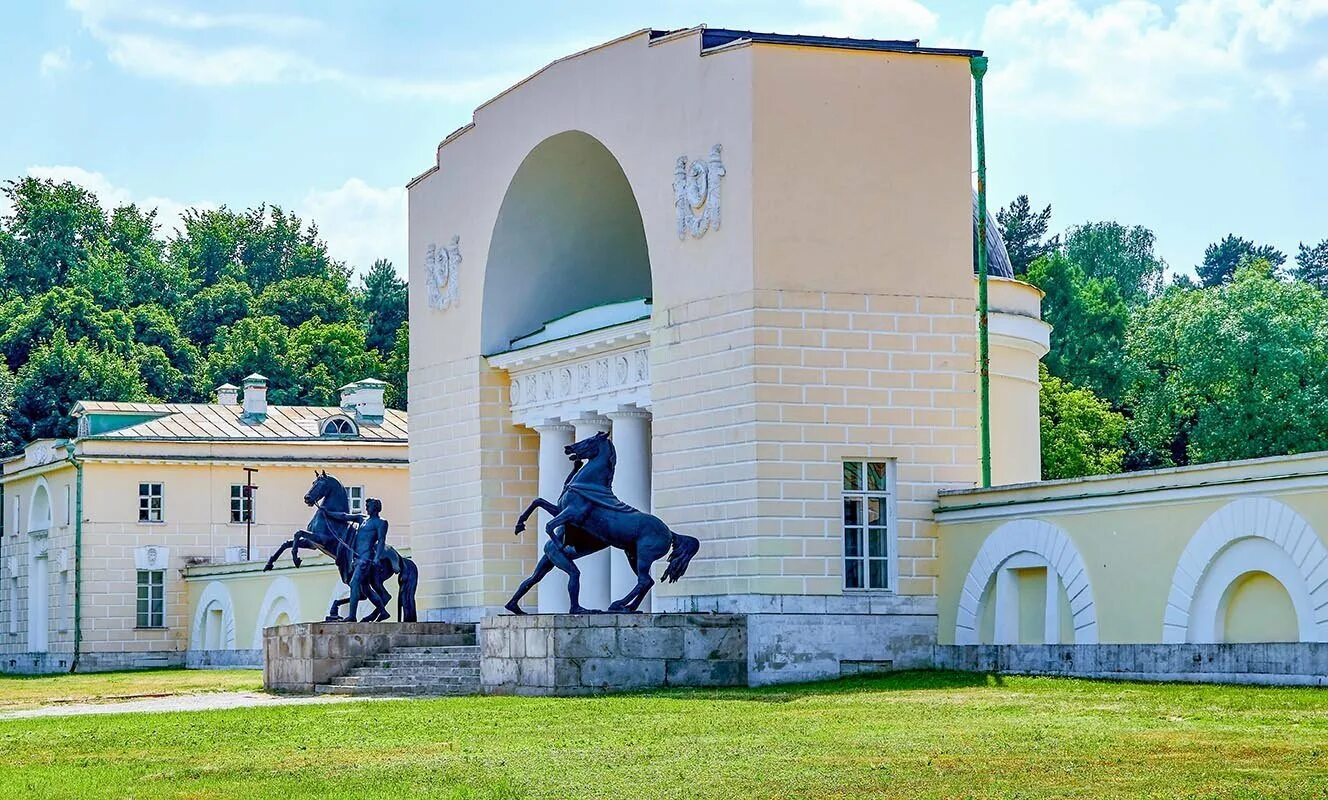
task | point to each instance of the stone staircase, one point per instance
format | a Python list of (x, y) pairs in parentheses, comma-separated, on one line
[(448, 666)]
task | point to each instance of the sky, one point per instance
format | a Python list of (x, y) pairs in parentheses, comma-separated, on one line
[(1195, 118)]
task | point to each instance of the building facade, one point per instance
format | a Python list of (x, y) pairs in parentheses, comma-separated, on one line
[(138, 543)]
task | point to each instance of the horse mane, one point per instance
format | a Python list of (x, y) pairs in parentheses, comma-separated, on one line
[(338, 496), (613, 458)]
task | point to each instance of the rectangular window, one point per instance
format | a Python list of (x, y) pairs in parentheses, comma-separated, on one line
[(356, 496), (151, 598), (242, 503), (868, 513), (149, 502)]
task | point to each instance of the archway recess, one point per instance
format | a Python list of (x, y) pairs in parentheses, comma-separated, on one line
[(1052, 548), (568, 237), (1253, 534)]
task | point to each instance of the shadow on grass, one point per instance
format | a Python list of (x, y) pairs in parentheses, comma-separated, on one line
[(881, 683)]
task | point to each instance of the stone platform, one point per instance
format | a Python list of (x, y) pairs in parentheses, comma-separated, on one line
[(559, 654), (304, 656)]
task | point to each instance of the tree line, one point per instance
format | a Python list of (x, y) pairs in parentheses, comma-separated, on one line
[(106, 306), (1146, 372)]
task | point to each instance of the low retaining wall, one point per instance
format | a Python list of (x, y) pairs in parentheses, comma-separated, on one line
[(1291, 663), (223, 659), (296, 658), (560, 654)]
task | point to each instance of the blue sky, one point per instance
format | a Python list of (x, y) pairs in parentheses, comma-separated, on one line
[(1196, 118)]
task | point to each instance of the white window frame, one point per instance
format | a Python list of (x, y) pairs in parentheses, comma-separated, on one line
[(145, 585), (356, 496), (145, 502), (862, 496), (245, 504), (350, 429)]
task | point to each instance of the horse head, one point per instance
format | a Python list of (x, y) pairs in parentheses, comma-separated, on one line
[(325, 487), (597, 456), (588, 449)]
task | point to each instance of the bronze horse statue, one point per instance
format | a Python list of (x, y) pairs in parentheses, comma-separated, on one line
[(330, 532), (588, 518)]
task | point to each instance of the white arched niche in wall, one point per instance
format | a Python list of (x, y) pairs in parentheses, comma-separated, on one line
[(39, 510), (1254, 535), (568, 237), (214, 619), (281, 606), (993, 586)]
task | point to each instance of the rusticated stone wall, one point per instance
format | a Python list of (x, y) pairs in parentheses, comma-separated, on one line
[(560, 654)]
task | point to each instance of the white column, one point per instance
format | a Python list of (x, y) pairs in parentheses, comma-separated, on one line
[(594, 568), (631, 483), (553, 469)]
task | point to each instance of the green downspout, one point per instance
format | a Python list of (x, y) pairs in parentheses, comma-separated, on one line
[(78, 556), (978, 66)]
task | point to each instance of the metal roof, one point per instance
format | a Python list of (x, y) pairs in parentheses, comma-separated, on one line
[(213, 422), (714, 38)]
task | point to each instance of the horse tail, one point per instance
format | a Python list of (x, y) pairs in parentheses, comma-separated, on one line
[(683, 548), (407, 581)]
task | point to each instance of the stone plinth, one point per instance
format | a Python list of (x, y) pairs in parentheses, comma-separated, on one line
[(564, 654), (296, 658)]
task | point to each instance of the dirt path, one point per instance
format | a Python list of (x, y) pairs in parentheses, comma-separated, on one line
[(210, 701)]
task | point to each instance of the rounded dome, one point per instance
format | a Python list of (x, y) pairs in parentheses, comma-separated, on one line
[(998, 258)]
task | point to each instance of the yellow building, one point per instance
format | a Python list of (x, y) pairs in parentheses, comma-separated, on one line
[(137, 544)]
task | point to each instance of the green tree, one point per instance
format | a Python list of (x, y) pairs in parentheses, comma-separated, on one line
[(207, 247), (50, 232), (1222, 258), (214, 308), (1312, 264), (59, 374), (1088, 318), (1024, 232), (1125, 253), (397, 369), (1237, 370), (297, 300), (254, 344), (276, 246), (154, 327), (326, 357), (1081, 434), (382, 301), (28, 323)]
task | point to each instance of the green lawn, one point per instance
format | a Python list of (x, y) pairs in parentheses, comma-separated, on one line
[(24, 691), (915, 735)]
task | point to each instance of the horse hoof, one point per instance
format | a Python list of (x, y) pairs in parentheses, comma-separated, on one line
[(296, 561), (267, 567), (520, 527), (515, 609)]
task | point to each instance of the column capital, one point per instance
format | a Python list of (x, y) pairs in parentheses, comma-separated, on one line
[(629, 413), (590, 418), (552, 426)]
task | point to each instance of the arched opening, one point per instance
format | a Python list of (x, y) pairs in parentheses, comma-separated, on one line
[(39, 511), (214, 621), (1258, 608), (39, 569), (568, 237)]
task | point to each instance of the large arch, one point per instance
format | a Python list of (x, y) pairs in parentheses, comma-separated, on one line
[(214, 619), (1250, 535), (281, 599), (568, 236), (1053, 547)]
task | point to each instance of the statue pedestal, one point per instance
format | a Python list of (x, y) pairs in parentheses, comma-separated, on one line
[(300, 657), (565, 654)]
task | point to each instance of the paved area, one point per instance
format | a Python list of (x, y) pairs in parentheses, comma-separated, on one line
[(211, 701)]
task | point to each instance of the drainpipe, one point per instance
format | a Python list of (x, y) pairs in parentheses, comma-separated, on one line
[(78, 556), (978, 66)]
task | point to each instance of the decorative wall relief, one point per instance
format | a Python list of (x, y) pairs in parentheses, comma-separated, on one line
[(696, 193), (442, 268)]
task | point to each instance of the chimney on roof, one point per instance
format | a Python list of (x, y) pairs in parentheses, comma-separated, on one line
[(255, 398), (228, 395), (365, 399)]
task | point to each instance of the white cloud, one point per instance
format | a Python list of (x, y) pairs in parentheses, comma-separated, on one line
[(54, 61), (361, 223), (166, 43), (877, 19), (1130, 62), (112, 196)]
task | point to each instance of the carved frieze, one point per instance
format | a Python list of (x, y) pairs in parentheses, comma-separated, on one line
[(696, 193)]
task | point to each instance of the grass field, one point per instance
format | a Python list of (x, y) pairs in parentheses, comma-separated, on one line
[(913, 735), (24, 691)]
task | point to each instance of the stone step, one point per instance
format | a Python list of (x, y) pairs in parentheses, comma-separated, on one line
[(405, 676), (438, 659), (430, 650), (399, 689), (424, 642)]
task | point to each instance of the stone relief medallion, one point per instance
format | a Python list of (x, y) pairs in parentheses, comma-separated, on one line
[(696, 193), (442, 267)]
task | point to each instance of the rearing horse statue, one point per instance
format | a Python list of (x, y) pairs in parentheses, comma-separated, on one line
[(329, 532), (588, 518)]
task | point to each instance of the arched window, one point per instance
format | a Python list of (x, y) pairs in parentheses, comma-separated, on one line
[(339, 426)]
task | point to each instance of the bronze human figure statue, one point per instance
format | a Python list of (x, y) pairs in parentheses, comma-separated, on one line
[(333, 531), (588, 518), (368, 540)]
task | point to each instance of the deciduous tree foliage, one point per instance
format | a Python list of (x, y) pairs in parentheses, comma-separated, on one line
[(102, 306), (1081, 434), (1088, 318), (1125, 253)]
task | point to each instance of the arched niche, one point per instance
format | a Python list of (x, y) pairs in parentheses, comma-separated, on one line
[(568, 237), (280, 606), (39, 510), (214, 619)]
